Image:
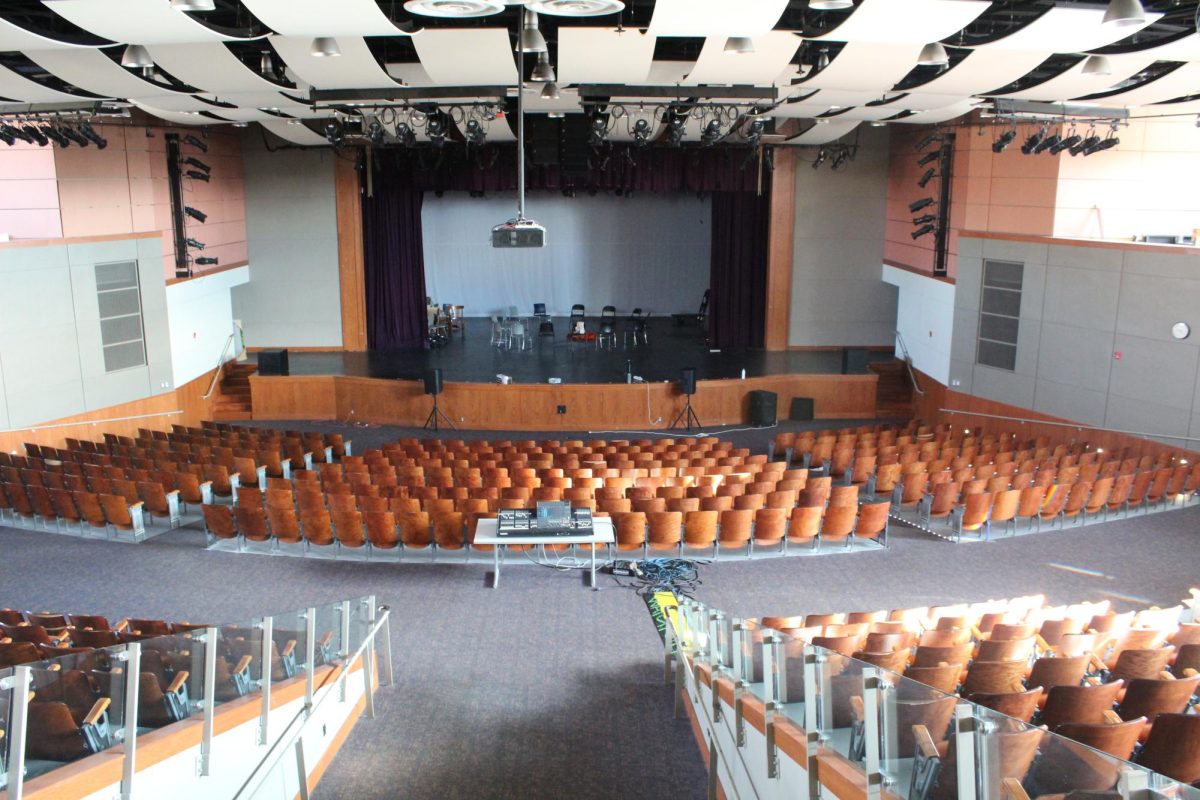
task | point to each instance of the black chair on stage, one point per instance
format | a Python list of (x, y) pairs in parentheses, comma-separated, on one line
[(577, 323), (545, 324), (608, 328), (700, 317), (635, 327)]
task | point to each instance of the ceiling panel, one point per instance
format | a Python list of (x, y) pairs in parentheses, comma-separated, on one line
[(134, 21), (984, 70), (944, 114), (267, 99), (715, 17), (869, 113), (1073, 83), (293, 132), (906, 20), (323, 18), (604, 55), (355, 68), (1067, 30), (1180, 83), (772, 52), (94, 71), (13, 37), (667, 73), (825, 132), (411, 74), (467, 56), (1185, 49), (22, 90), (209, 66), (867, 67), (175, 102), (174, 117)]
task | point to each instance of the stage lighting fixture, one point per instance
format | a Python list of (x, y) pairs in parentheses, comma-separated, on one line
[(921, 231), (375, 132), (1033, 141), (712, 132), (822, 154), (754, 131), (823, 58), (75, 136), (531, 39), (266, 64), (36, 134), (932, 155), (676, 128), (598, 133), (830, 5), (740, 45), (1045, 144), (56, 136), (1066, 144), (641, 133), (839, 159), (928, 140), (550, 91), (87, 130), (195, 142), (195, 213), (197, 175), (542, 71), (335, 132), (918, 205), (933, 55), (136, 56), (924, 219), (192, 243), (197, 163), (1001, 144), (475, 133), (1124, 13), (207, 261), (6, 137), (15, 132), (405, 135), (1106, 144), (1086, 146), (324, 47), (929, 175), (435, 129)]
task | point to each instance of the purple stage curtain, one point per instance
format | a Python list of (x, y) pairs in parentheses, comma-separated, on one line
[(738, 277), (394, 266)]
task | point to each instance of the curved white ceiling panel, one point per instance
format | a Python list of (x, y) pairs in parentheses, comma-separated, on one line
[(181, 103), (209, 66), (134, 21), (772, 53), (467, 56), (906, 20), (14, 37), (715, 17), (410, 74), (603, 55), (1067, 30), (1073, 83), (94, 71), (1179, 83), (984, 71), (944, 114), (255, 100), (825, 132), (323, 18), (22, 90), (1185, 49), (355, 68), (297, 134), (867, 67), (174, 117)]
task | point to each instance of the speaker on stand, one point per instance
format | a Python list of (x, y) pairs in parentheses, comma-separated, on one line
[(433, 387), (687, 385)]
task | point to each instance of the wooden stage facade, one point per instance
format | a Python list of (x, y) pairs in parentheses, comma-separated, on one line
[(536, 406)]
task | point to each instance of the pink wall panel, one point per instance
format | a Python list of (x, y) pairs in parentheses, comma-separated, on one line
[(28, 193)]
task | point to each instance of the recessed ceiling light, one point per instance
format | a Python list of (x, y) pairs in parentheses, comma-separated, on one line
[(830, 5), (194, 5), (324, 47), (454, 8), (1123, 13), (576, 8), (742, 45), (1097, 65), (136, 56), (933, 55)]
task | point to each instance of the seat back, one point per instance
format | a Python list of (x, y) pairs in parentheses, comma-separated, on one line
[(1150, 697), (1079, 704), (1173, 747), (285, 525)]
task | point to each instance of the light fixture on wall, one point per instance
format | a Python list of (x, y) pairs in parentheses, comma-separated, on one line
[(928, 140), (136, 56), (1033, 141), (920, 205), (1004, 140), (192, 161), (1124, 13), (739, 45), (922, 231), (822, 154), (933, 55), (324, 47), (207, 261), (924, 219), (194, 244), (199, 144), (195, 214), (197, 175), (932, 155), (1097, 65), (840, 158), (929, 175)]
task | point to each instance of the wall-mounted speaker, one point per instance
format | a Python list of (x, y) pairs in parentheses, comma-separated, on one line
[(433, 381), (687, 380)]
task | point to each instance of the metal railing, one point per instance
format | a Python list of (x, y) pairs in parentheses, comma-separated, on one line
[(220, 367), (93, 422), (1076, 425), (908, 363)]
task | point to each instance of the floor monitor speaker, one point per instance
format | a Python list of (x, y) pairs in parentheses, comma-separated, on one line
[(687, 380), (273, 362), (802, 409), (433, 381)]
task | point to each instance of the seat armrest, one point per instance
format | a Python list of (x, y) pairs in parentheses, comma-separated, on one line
[(925, 744), (206, 493), (98, 708), (1111, 717), (346, 447), (288, 648), (178, 682), (1013, 790)]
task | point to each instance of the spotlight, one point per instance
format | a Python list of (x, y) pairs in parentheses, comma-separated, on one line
[(195, 214), (136, 56), (550, 91), (192, 243), (324, 47), (1107, 144), (933, 55), (207, 261), (266, 64), (87, 130), (1097, 65), (676, 128), (1124, 13), (531, 39), (1047, 143), (36, 134), (1033, 141), (14, 132), (475, 133), (55, 135), (1066, 144), (598, 135), (198, 164), (928, 140), (199, 144), (197, 175), (741, 45), (823, 59), (918, 205), (542, 71), (435, 129), (754, 131), (641, 133), (822, 154), (921, 231), (1002, 143), (375, 132), (929, 175), (1087, 146), (712, 132), (335, 132), (932, 155), (924, 219), (405, 135), (839, 159), (75, 136)]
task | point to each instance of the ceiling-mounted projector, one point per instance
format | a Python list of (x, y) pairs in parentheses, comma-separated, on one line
[(519, 233)]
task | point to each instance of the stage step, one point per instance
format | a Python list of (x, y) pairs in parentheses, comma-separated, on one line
[(233, 402), (894, 394)]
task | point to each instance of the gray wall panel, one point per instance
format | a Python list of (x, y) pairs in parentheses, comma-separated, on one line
[(968, 281), (1070, 402), (1082, 298), (1150, 306), (1145, 416), (1104, 259), (1075, 356), (1003, 387), (1024, 252), (1158, 372)]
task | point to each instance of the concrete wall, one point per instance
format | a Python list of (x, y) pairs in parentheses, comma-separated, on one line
[(837, 297), (1095, 342), (292, 298), (201, 319), (51, 360), (924, 320)]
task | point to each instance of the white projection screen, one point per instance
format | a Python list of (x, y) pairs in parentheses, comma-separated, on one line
[(649, 251)]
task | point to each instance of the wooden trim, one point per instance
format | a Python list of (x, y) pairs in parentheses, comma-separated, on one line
[(351, 279), (726, 691), (68, 240), (755, 713), (921, 272), (791, 740), (207, 272), (834, 348), (703, 674), (780, 250), (316, 349), (1107, 244), (845, 780)]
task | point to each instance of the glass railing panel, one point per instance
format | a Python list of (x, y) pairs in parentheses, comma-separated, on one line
[(915, 723), (328, 634), (290, 632), (239, 660), (840, 719)]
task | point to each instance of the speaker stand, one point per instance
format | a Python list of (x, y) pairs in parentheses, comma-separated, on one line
[(687, 416), (435, 414)]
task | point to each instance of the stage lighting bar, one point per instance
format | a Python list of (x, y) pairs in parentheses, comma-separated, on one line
[(917, 205), (195, 213), (194, 244)]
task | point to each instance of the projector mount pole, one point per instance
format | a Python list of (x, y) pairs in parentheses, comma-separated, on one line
[(521, 120)]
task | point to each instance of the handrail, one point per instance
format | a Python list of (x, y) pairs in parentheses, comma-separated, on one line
[(220, 367), (93, 421), (912, 376), (1076, 425)]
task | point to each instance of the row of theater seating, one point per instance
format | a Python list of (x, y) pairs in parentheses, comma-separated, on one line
[(1124, 684)]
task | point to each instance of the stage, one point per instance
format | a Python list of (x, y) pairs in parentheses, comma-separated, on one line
[(385, 386)]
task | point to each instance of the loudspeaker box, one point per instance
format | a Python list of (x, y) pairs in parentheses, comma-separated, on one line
[(433, 381), (762, 408), (687, 380)]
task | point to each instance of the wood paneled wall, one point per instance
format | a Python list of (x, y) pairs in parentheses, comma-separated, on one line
[(187, 399), (780, 249), (348, 197), (937, 397), (535, 406)]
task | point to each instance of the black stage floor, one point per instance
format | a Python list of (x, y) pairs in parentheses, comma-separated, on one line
[(471, 358)]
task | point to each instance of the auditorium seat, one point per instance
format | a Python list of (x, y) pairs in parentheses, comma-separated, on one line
[(1173, 747), (1150, 697), (251, 523), (219, 522), (943, 677), (1079, 704), (838, 524), (316, 527), (1018, 704), (734, 531), (1065, 768), (873, 521), (664, 531)]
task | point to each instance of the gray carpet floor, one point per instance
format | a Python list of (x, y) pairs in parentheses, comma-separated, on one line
[(543, 688)]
